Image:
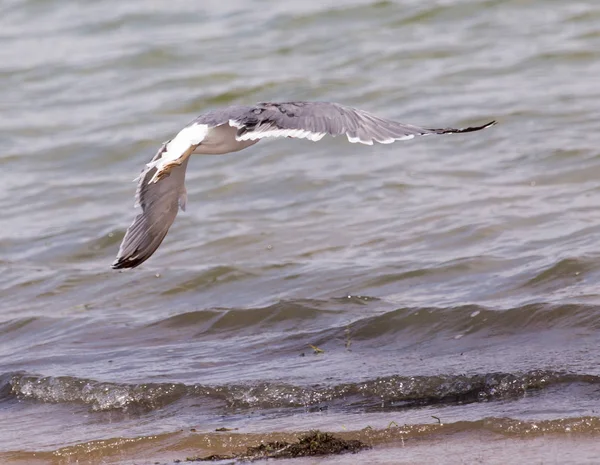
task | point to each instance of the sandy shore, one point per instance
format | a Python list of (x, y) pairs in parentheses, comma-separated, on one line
[(455, 443)]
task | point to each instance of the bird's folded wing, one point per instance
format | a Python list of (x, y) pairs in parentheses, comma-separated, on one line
[(159, 203)]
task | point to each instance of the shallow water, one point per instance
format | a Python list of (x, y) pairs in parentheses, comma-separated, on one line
[(450, 277)]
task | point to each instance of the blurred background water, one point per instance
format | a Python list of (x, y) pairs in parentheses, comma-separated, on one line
[(453, 276)]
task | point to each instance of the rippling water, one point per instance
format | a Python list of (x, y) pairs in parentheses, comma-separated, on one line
[(441, 290)]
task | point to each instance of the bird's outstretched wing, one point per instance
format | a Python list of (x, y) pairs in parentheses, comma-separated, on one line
[(314, 120), (301, 120), (159, 203)]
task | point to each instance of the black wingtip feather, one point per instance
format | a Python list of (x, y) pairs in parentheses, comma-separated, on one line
[(463, 130), (123, 263), (141, 241), (133, 260)]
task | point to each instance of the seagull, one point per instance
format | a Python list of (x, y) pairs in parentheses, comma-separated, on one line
[(161, 190)]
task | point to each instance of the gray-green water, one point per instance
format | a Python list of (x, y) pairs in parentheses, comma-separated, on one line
[(452, 276)]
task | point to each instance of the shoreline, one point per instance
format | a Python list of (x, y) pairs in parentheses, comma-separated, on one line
[(551, 441)]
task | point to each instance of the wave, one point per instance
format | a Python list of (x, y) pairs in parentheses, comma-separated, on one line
[(387, 393), (420, 321), (295, 323)]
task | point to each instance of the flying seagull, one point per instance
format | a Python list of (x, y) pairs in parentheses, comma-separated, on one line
[(161, 190)]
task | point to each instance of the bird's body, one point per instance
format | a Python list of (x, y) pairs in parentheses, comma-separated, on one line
[(161, 190)]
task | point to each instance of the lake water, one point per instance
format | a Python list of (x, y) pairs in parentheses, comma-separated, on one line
[(451, 283)]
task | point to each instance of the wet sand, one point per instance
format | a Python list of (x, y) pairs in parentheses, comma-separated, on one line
[(491, 441)]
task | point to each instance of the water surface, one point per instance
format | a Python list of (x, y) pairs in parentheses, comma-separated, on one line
[(451, 283)]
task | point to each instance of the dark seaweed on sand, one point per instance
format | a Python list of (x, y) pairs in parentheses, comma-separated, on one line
[(311, 444)]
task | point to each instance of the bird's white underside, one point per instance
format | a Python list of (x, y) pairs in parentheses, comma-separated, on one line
[(191, 135), (194, 134)]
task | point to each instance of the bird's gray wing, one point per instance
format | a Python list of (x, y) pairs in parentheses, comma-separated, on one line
[(159, 203), (314, 120)]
